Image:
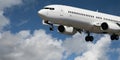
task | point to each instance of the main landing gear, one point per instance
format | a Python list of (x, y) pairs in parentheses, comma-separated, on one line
[(114, 37), (51, 25), (89, 38)]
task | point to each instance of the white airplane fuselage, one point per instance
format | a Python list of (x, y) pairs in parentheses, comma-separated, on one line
[(86, 20)]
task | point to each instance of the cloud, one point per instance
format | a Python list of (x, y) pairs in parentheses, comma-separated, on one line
[(22, 23), (26, 46), (6, 4), (87, 50), (98, 51), (42, 46), (76, 44), (9, 3), (3, 20)]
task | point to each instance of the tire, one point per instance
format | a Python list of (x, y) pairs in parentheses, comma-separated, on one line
[(89, 38), (114, 37)]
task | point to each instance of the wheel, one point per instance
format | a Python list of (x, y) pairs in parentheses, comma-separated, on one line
[(114, 37), (117, 37), (51, 29), (89, 38)]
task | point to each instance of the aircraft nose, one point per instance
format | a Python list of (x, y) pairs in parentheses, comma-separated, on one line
[(42, 13)]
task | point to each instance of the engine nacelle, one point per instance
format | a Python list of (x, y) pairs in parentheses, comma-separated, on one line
[(104, 26), (66, 30), (110, 26)]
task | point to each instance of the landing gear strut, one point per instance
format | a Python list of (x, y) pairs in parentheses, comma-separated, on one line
[(51, 25), (114, 37), (89, 38)]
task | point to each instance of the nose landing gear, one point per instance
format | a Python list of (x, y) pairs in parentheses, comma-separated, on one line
[(51, 26)]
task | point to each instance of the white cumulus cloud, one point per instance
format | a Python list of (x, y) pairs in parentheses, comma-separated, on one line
[(42, 46), (26, 46), (98, 51), (76, 44)]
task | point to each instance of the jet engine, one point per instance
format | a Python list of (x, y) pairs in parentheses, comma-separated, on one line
[(66, 30), (110, 26), (104, 26)]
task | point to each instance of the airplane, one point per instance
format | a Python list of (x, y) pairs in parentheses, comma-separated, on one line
[(71, 20)]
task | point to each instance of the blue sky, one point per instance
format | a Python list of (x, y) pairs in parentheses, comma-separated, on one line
[(24, 17)]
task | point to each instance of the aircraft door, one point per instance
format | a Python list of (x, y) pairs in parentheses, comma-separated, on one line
[(61, 12)]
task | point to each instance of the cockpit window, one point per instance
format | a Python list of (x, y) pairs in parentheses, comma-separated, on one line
[(49, 8)]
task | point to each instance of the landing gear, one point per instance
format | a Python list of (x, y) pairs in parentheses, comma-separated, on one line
[(89, 38), (51, 25), (114, 37), (51, 29)]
